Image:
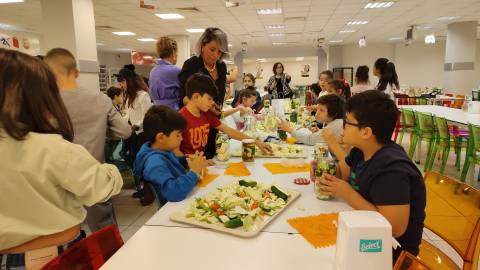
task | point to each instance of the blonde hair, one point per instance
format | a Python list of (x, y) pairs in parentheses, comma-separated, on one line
[(213, 33), (166, 47)]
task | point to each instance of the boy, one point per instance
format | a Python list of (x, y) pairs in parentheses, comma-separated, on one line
[(200, 90), (377, 175), (156, 160), (115, 94)]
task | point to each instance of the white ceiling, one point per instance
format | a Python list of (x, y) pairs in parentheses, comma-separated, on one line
[(323, 18)]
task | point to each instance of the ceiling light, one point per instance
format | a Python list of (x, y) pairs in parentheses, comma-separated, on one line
[(447, 18), (269, 11), (348, 31), (169, 16), (395, 38), (278, 43), (124, 49), (379, 5), (230, 45), (336, 41), (230, 4), (195, 30), (430, 39), (424, 27), (277, 35), (357, 22), (10, 27), (261, 60), (147, 39), (11, 1), (123, 33), (275, 26), (300, 58)]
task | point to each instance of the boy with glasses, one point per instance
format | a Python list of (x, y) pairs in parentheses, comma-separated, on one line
[(377, 175)]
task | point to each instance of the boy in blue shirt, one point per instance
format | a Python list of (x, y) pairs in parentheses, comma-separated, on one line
[(377, 175), (157, 162)]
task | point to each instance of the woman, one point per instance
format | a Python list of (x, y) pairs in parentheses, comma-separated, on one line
[(164, 84), (249, 81), (46, 180), (211, 49), (362, 83), (278, 84), (388, 79)]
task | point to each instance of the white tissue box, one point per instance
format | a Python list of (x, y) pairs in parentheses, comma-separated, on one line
[(364, 241)]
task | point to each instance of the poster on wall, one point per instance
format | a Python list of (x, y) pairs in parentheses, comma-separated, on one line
[(20, 42), (140, 58), (306, 71)]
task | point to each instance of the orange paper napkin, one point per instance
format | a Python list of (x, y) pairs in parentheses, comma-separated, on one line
[(277, 168), (320, 231), (237, 169), (207, 178)]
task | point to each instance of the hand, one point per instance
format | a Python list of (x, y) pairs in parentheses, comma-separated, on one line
[(313, 129), (328, 136), (285, 126), (264, 147), (333, 186), (273, 85), (215, 109), (197, 162), (244, 110), (185, 100)]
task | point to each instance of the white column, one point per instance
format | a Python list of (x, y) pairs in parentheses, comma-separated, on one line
[(70, 24), (183, 43), (238, 60), (459, 68)]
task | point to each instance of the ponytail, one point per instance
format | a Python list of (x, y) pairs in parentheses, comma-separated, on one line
[(388, 74)]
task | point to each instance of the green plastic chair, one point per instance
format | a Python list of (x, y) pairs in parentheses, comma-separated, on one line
[(423, 130), (407, 121), (473, 151)]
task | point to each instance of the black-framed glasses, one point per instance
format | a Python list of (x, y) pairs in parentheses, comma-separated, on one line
[(345, 123)]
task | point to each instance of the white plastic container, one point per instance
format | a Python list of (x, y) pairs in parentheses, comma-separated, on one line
[(474, 107), (364, 241)]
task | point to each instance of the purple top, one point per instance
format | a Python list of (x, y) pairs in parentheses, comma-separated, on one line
[(164, 84)]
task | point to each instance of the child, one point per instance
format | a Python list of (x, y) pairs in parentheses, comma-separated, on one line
[(115, 94), (200, 90), (156, 160), (377, 175), (339, 88), (246, 99), (330, 111)]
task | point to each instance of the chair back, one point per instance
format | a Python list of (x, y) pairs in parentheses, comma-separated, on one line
[(453, 213), (89, 253), (408, 117), (442, 128)]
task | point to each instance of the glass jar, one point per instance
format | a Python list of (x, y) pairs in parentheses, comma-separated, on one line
[(222, 146)]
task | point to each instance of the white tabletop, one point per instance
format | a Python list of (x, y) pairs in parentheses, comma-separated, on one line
[(155, 247), (451, 114)]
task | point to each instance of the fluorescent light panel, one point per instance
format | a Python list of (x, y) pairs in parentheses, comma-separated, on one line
[(379, 5), (123, 33), (278, 43), (395, 38), (275, 26), (147, 39), (336, 41), (447, 18), (357, 22), (269, 11), (169, 16), (195, 30), (348, 31), (277, 35), (230, 45), (301, 58), (11, 1)]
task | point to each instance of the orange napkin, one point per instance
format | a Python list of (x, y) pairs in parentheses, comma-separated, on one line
[(237, 169), (206, 178), (320, 231), (277, 168)]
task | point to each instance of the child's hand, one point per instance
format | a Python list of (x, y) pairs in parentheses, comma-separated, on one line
[(313, 129), (197, 162), (265, 147), (244, 110), (215, 109), (333, 186), (285, 126), (328, 136)]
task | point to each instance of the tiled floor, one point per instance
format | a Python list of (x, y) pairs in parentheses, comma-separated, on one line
[(131, 215)]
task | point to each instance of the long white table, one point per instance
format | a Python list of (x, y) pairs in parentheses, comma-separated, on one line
[(451, 114), (164, 244)]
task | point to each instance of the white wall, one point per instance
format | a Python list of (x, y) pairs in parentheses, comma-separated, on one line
[(119, 59), (292, 67)]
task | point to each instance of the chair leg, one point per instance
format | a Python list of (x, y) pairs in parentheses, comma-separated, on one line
[(446, 151), (465, 169), (431, 144), (400, 138), (458, 151), (413, 146), (431, 158)]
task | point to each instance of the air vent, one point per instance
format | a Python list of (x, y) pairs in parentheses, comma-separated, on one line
[(191, 9), (103, 27)]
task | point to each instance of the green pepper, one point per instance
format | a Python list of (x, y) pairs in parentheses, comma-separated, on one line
[(233, 223), (279, 193), (247, 184)]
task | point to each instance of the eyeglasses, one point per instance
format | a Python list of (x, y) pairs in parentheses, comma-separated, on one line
[(345, 122)]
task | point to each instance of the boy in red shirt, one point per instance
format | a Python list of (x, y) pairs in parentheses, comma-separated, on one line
[(200, 91)]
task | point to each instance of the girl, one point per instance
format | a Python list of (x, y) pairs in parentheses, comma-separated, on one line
[(388, 79), (339, 88), (330, 111), (246, 98), (249, 81), (362, 83)]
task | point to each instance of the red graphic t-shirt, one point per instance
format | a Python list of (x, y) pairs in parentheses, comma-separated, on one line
[(196, 134)]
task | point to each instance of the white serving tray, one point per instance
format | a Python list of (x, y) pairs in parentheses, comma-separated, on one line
[(179, 216), (259, 154)]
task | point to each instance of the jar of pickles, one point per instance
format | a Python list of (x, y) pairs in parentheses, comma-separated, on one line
[(222, 147), (248, 150), (324, 166)]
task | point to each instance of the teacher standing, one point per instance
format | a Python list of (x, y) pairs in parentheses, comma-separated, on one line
[(278, 84), (211, 49)]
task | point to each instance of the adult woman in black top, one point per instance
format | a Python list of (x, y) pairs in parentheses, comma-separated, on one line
[(211, 49), (277, 85)]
